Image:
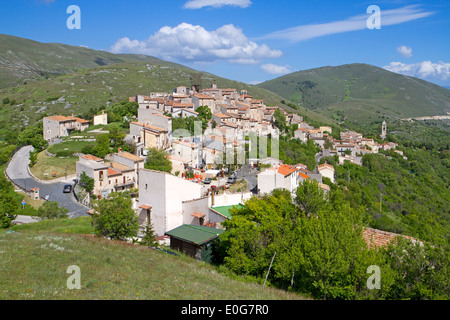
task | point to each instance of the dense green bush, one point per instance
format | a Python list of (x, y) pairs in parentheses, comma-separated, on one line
[(324, 253)]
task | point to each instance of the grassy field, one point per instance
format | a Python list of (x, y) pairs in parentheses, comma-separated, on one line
[(35, 257), (47, 165), (68, 147)]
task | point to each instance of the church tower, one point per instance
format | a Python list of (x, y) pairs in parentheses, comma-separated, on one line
[(383, 130)]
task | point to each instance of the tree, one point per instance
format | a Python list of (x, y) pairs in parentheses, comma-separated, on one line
[(86, 182), (114, 217), (310, 198), (328, 253), (33, 158), (8, 205), (32, 135), (280, 119), (5, 153), (255, 232), (324, 255), (116, 137), (101, 148), (149, 238), (422, 270), (51, 210), (158, 160), (204, 115)]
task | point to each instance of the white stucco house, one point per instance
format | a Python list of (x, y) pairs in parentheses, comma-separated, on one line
[(161, 197), (326, 170), (279, 177)]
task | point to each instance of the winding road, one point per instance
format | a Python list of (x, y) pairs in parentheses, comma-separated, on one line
[(18, 172)]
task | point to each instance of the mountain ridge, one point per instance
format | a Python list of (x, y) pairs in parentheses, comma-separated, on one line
[(361, 89), (24, 60), (87, 82)]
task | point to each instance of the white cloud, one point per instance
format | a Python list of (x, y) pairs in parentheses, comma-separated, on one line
[(388, 17), (405, 51), (198, 4), (189, 43), (255, 82), (426, 70), (275, 69)]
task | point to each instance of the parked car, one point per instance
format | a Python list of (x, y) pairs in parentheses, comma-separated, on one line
[(67, 188), (231, 180), (207, 181)]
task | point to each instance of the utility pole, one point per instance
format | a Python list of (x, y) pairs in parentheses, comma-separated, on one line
[(292, 279), (269, 268)]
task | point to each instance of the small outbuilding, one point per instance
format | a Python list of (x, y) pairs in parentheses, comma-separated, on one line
[(195, 241)]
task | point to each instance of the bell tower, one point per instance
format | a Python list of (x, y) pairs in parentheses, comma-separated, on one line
[(383, 130)]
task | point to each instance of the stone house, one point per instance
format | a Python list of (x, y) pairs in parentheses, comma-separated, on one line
[(55, 127)]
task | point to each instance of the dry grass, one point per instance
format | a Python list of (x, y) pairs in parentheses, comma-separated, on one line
[(45, 166)]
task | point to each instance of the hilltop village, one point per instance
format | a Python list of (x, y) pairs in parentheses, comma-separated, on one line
[(198, 190)]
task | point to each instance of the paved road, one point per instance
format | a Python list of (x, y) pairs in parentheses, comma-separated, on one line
[(25, 219), (18, 172), (250, 176)]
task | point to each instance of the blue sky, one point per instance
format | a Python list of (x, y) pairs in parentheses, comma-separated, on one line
[(249, 40)]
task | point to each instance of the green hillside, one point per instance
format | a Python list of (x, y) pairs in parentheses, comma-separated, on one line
[(38, 79), (24, 61), (361, 93), (75, 93), (35, 257)]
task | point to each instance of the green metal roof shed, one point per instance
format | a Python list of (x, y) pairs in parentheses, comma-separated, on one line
[(195, 241), (198, 235), (225, 211)]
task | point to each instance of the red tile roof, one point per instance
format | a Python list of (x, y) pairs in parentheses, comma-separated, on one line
[(203, 96), (285, 169), (324, 186), (183, 105), (81, 120), (378, 238), (304, 176), (91, 157), (325, 166), (131, 156), (221, 115), (112, 172), (61, 118), (198, 215)]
